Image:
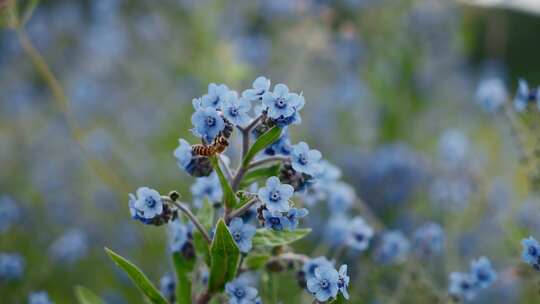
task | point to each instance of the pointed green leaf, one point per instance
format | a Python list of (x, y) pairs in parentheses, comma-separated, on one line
[(339, 300), (225, 258), (86, 296), (262, 142), (256, 261), (183, 267), (272, 238), (202, 247), (205, 214), (260, 174), (229, 196), (138, 278)]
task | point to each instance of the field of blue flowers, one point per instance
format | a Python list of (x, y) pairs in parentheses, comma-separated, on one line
[(269, 151)]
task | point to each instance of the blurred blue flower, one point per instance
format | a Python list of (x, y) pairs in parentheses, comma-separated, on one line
[(280, 103), (146, 206), (167, 286), (343, 281), (276, 195), (39, 297), (453, 146), (394, 248), (305, 160), (9, 213), (483, 273), (207, 187), (239, 292), (294, 214), (521, 99), (215, 97), (360, 234), (491, 94), (341, 197), (282, 146), (311, 265), (531, 252), (11, 266), (183, 154), (261, 85), (242, 233), (178, 235), (207, 123), (236, 109), (275, 220), (70, 247), (324, 284), (462, 286), (428, 239)]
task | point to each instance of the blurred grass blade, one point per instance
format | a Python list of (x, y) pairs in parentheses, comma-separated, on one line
[(183, 268), (225, 257), (138, 277), (271, 238), (86, 296), (29, 10), (230, 197), (262, 142)]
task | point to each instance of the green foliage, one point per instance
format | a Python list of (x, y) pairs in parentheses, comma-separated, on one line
[(260, 174), (139, 279), (229, 196), (225, 257), (339, 300), (206, 216), (256, 261), (86, 296), (183, 267), (271, 238), (262, 142)]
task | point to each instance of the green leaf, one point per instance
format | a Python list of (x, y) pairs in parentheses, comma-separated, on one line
[(183, 268), (230, 197), (138, 278), (256, 261), (202, 247), (205, 214), (339, 300), (272, 238), (262, 142), (260, 174), (86, 296), (225, 257)]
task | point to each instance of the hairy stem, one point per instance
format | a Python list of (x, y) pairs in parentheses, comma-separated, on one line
[(240, 211), (267, 160), (245, 148), (191, 217), (226, 169)]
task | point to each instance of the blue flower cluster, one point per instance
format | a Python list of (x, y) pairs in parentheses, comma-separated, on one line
[(525, 96), (39, 297), (9, 213), (465, 286), (428, 239), (70, 247), (11, 266), (239, 292), (491, 94), (394, 247), (531, 252), (324, 281)]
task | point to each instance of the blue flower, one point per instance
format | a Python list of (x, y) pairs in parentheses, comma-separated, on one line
[(39, 297), (261, 85), (341, 197), (305, 160), (11, 266), (360, 234), (324, 284), (531, 252), (462, 286), (242, 233), (282, 146), (206, 188), (428, 239), (491, 94), (9, 213), (393, 249), (197, 103), (239, 292), (236, 109), (207, 124), (183, 154), (167, 286), (453, 146), (280, 103), (294, 214), (337, 229), (311, 265), (215, 97), (178, 235), (146, 206), (343, 281), (276, 195), (275, 220), (70, 247), (483, 272), (293, 119)]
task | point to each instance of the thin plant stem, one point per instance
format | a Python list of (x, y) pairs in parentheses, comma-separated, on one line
[(267, 160), (226, 169), (192, 218), (240, 211)]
